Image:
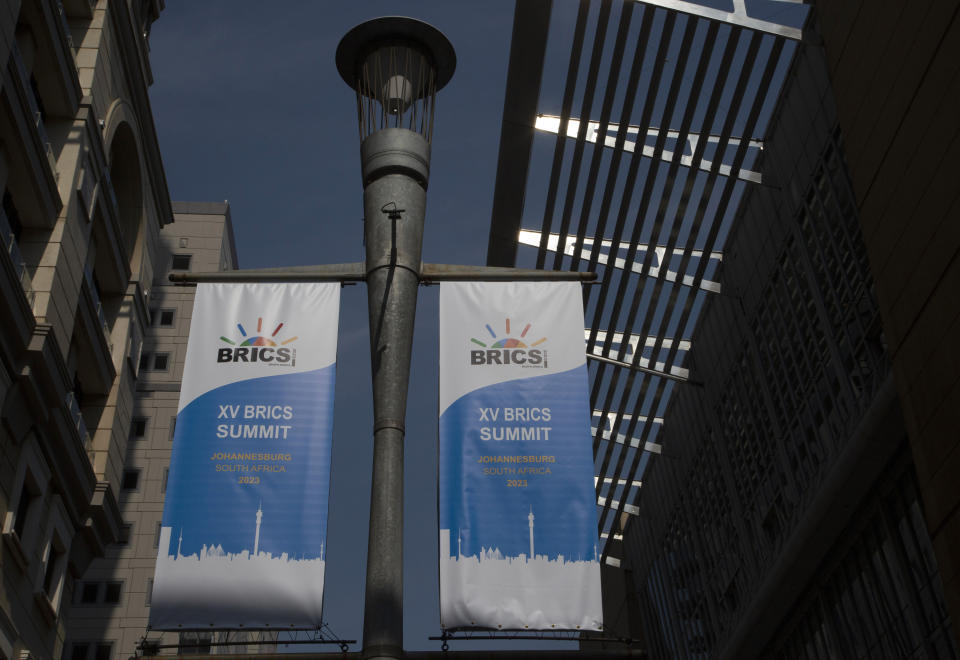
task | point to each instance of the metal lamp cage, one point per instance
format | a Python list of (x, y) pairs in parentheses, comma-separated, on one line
[(396, 88), (396, 65)]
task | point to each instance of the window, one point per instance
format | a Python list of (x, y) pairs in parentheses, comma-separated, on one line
[(173, 427), (55, 551), (52, 573), (149, 592), (166, 317), (163, 485), (183, 242), (138, 428), (21, 532), (24, 506), (90, 651), (134, 350), (111, 594), (156, 535), (130, 479), (154, 361), (181, 262), (125, 533), (89, 593)]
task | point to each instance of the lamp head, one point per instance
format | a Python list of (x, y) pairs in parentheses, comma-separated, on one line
[(396, 65)]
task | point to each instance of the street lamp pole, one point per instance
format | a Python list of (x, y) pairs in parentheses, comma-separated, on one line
[(396, 65)]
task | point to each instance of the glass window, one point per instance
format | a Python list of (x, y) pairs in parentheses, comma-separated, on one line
[(103, 652), (144, 361), (138, 427), (160, 361), (130, 479), (166, 474), (166, 317), (181, 262), (156, 535), (52, 576), (89, 592), (23, 510), (173, 427), (125, 533), (79, 652), (111, 594)]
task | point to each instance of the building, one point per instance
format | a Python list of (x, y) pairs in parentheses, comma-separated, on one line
[(84, 200), (769, 207), (110, 607), (92, 339), (899, 120)]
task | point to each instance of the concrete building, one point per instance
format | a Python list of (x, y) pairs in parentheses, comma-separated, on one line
[(92, 337), (771, 210), (897, 90), (111, 603), (84, 200)]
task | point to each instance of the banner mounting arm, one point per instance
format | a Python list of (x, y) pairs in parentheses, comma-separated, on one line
[(356, 272)]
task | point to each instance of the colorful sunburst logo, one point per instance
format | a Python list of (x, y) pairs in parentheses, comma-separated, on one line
[(259, 339), (508, 341)]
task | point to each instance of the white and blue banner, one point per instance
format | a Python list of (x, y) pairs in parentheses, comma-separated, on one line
[(245, 516), (517, 505)]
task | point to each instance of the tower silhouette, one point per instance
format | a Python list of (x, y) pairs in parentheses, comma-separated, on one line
[(256, 538), (530, 519)]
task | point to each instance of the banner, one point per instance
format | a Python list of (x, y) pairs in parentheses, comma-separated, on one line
[(517, 510), (245, 515)]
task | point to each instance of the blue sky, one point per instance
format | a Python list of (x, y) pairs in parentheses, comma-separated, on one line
[(249, 108)]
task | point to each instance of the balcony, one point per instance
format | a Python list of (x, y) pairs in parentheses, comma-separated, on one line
[(55, 65), (36, 117), (102, 209), (110, 195), (79, 424), (19, 265), (26, 140), (97, 304), (95, 359)]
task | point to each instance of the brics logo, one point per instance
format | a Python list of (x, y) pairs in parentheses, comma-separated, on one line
[(509, 350), (258, 348)]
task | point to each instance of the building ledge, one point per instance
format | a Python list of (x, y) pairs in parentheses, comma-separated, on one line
[(104, 513), (19, 314), (15, 548), (60, 84), (97, 362), (112, 266), (101, 528), (45, 606), (60, 437)]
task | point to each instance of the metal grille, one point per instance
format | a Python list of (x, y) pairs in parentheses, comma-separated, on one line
[(789, 402), (396, 88), (883, 599), (653, 131)]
